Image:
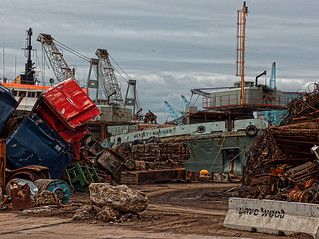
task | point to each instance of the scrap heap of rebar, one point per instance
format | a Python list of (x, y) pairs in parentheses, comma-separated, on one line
[(160, 155), (157, 155), (281, 163)]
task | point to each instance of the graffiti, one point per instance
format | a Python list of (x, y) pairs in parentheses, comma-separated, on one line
[(262, 211)]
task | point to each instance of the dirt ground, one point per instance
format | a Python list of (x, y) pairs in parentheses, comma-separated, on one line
[(194, 210)]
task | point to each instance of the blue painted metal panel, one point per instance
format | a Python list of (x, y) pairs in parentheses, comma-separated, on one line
[(8, 105), (36, 143), (58, 185), (274, 116)]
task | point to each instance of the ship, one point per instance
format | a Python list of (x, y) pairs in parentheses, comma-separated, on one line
[(24, 87), (220, 135)]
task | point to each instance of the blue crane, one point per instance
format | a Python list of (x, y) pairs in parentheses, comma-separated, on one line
[(175, 114), (272, 80), (186, 103), (274, 116)]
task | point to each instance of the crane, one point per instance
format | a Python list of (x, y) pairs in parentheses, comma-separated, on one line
[(272, 81), (108, 79), (186, 103), (105, 77), (59, 66), (131, 100), (175, 114)]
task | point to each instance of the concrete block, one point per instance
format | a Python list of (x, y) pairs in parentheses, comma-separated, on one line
[(273, 217)]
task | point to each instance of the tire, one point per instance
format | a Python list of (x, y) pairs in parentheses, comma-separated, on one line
[(201, 129), (251, 131)]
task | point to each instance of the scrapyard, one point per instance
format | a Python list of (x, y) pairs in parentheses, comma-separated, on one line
[(79, 158), (49, 167)]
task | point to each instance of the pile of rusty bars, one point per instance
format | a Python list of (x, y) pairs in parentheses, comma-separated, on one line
[(153, 156), (282, 164), (160, 155)]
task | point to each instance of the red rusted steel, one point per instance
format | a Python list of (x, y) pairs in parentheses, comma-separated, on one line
[(71, 104), (20, 196), (31, 172), (67, 109)]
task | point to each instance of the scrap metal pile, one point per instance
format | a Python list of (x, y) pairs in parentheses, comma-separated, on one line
[(153, 161), (283, 163), (159, 155), (45, 156)]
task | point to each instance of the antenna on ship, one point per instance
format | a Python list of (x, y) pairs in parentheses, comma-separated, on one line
[(28, 77), (240, 50)]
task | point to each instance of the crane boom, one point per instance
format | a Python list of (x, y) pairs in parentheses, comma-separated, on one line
[(59, 66), (172, 112), (186, 103), (108, 78), (272, 81)]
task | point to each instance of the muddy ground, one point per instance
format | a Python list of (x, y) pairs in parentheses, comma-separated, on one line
[(194, 210)]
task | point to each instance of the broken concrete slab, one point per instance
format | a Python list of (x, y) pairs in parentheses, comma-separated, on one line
[(273, 217), (122, 198)]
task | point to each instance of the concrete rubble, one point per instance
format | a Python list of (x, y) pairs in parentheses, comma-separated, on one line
[(107, 214), (86, 212), (121, 198), (110, 203)]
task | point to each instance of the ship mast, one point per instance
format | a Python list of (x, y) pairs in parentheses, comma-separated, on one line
[(28, 77), (240, 50)]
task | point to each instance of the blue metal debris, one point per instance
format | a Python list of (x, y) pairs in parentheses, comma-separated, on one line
[(56, 186), (8, 105), (36, 143)]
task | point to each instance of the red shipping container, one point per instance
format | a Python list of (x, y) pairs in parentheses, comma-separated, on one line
[(69, 135), (71, 104)]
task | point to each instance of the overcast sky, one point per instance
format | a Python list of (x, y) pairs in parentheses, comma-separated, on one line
[(171, 46)]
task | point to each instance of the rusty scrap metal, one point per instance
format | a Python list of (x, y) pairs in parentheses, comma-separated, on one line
[(303, 173), (60, 191), (150, 118), (22, 193), (112, 163), (280, 163), (297, 195), (160, 155), (303, 108), (47, 197), (153, 176), (32, 173)]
